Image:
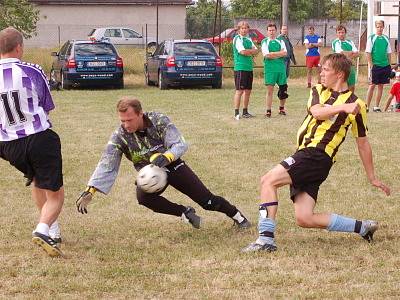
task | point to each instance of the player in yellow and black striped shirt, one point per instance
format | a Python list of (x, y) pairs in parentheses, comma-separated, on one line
[(332, 110)]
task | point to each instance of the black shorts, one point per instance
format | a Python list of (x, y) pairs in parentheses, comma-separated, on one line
[(381, 75), (243, 80), (308, 169), (38, 156)]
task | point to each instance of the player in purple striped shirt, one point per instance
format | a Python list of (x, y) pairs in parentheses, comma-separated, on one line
[(26, 140)]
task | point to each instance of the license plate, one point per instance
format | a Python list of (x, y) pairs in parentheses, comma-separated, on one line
[(196, 63), (96, 63)]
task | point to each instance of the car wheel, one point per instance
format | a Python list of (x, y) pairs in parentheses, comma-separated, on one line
[(217, 84), (120, 84), (64, 83), (161, 82)]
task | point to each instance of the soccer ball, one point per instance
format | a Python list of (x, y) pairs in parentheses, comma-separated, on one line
[(151, 179)]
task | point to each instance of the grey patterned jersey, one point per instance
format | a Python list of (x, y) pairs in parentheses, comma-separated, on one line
[(160, 135)]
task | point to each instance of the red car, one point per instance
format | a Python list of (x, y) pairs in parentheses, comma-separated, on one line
[(229, 34)]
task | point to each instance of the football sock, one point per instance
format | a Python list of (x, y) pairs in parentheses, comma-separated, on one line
[(54, 229), (281, 108), (42, 228), (236, 112), (238, 217), (343, 224), (266, 226), (245, 111)]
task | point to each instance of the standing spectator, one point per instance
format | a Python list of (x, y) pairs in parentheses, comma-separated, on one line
[(312, 42), (26, 140), (243, 51), (346, 47), (274, 52), (289, 48), (378, 55)]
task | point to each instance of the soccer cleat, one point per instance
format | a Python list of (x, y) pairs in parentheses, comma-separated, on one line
[(282, 112), (268, 114), (47, 243), (242, 225), (189, 216), (376, 109), (309, 85), (254, 247), (247, 115), (237, 117), (370, 227)]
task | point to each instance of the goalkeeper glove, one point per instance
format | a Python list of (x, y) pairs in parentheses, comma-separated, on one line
[(84, 199), (162, 160)]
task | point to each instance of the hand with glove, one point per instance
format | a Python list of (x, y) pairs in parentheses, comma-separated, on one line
[(161, 160), (84, 199)]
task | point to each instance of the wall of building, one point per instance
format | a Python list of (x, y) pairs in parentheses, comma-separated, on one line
[(59, 23)]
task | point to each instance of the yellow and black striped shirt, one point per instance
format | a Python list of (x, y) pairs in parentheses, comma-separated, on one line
[(329, 134)]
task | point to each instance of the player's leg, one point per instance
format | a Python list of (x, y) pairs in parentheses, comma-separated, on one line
[(309, 67), (378, 98), (187, 182), (268, 100), (318, 67), (247, 92), (268, 208), (161, 205), (370, 93), (238, 93), (282, 92)]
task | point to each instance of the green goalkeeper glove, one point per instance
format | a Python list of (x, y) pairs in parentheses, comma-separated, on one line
[(84, 199)]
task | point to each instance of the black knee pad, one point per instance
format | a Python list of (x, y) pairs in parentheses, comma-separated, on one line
[(282, 92)]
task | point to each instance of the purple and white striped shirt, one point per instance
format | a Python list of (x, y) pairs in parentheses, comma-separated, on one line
[(25, 99)]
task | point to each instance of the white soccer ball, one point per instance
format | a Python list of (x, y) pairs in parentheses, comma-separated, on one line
[(151, 179)]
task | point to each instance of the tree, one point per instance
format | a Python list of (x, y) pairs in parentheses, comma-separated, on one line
[(350, 10), (200, 19), (20, 14)]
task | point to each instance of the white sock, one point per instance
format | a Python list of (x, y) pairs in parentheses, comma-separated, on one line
[(238, 217), (54, 230), (42, 228)]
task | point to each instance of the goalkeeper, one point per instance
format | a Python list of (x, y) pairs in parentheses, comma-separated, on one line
[(150, 137)]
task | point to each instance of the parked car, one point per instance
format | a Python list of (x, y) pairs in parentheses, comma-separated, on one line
[(121, 36), (229, 34), (87, 63), (183, 62)]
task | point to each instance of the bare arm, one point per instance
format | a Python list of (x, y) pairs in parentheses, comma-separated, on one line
[(322, 112), (365, 152), (369, 59), (249, 52)]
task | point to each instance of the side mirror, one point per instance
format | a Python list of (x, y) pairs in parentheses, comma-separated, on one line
[(54, 53)]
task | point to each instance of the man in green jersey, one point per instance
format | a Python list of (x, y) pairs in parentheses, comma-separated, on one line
[(274, 52), (243, 51), (378, 55), (346, 47)]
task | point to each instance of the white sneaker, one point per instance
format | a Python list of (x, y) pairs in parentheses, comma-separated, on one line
[(237, 117)]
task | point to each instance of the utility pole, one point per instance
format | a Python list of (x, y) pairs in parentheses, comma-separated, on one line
[(284, 12)]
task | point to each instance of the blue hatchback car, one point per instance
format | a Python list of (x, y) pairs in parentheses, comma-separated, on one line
[(87, 63), (183, 62)]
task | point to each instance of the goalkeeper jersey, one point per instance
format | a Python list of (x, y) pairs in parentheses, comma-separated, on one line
[(329, 134), (160, 135)]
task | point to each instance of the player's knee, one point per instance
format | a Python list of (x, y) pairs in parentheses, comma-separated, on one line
[(214, 203), (268, 179), (304, 220), (282, 92)]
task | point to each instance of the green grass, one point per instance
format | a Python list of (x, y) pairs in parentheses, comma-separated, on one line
[(121, 250)]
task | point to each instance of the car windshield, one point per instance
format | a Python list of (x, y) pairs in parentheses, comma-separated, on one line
[(182, 49), (94, 49)]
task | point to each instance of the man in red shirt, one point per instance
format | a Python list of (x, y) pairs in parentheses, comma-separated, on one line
[(394, 92)]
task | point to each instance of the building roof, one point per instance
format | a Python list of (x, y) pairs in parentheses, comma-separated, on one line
[(113, 2)]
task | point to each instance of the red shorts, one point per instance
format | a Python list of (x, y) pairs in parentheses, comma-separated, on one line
[(312, 61)]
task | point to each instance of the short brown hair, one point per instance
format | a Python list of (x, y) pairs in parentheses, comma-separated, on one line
[(242, 23), (339, 62), (380, 21), (125, 102), (10, 38), (271, 25), (341, 27)]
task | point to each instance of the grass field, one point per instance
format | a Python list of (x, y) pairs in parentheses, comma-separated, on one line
[(121, 250)]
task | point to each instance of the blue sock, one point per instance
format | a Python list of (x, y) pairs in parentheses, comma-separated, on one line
[(266, 229), (340, 223)]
